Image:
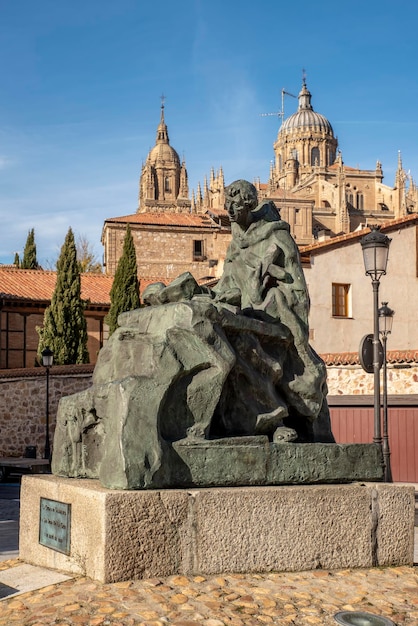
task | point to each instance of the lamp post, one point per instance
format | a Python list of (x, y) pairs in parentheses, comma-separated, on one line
[(385, 328), (375, 247), (47, 360)]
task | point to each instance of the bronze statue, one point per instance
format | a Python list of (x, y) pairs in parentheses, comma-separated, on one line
[(199, 365)]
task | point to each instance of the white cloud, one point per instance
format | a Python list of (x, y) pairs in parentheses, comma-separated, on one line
[(4, 162)]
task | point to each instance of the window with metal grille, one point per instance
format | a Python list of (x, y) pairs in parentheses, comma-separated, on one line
[(340, 300), (198, 254)]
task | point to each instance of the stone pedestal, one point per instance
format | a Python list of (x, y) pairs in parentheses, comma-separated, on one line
[(121, 535)]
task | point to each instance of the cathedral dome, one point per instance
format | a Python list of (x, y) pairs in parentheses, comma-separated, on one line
[(162, 152), (305, 117)]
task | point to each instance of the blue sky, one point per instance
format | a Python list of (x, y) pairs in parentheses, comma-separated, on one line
[(81, 82)]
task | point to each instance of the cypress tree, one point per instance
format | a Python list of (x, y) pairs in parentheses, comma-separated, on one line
[(29, 261), (124, 295), (65, 329), (16, 261)]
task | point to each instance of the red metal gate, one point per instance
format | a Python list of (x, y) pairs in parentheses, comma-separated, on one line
[(354, 424)]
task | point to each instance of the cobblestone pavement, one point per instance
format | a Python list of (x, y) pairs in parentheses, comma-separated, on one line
[(301, 599)]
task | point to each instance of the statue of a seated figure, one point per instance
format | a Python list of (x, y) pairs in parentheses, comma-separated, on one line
[(201, 365)]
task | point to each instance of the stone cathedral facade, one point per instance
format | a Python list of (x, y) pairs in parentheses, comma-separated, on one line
[(309, 166), (316, 192)]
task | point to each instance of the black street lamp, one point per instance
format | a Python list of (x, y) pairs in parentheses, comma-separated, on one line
[(385, 328), (375, 246), (47, 361)]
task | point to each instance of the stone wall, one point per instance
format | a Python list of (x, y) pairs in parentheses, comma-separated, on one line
[(353, 380), (23, 404)]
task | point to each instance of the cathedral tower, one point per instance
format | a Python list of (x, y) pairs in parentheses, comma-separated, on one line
[(305, 143), (163, 185)]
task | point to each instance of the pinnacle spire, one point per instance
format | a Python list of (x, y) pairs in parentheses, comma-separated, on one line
[(162, 133), (399, 160), (304, 96), (162, 108)]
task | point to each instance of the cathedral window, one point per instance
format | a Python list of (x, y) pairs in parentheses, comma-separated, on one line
[(167, 184), (315, 157), (359, 201)]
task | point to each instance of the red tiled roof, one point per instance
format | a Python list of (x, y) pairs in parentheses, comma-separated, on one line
[(278, 193), (191, 220), (221, 217), (38, 286), (356, 235), (57, 370), (96, 287), (352, 358), (336, 166), (220, 212)]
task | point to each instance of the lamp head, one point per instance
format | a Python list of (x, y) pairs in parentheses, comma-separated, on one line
[(385, 319), (47, 357), (375, 246)]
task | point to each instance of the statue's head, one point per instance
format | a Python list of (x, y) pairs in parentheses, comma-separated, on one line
[(240, 199)]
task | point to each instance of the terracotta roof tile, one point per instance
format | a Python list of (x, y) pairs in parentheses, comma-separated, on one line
[(96, 287), (357, 234), (336, 166), (220, 212), (38, 285), (352, 358), (278, 193), (56, 370), (191, 220)]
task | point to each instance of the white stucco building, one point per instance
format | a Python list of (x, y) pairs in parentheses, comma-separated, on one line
[(342, 296)]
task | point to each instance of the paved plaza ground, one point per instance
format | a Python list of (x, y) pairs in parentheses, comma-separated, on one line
[(35, 597)]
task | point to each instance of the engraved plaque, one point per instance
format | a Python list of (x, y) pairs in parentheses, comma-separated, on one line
[(55, 525)]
